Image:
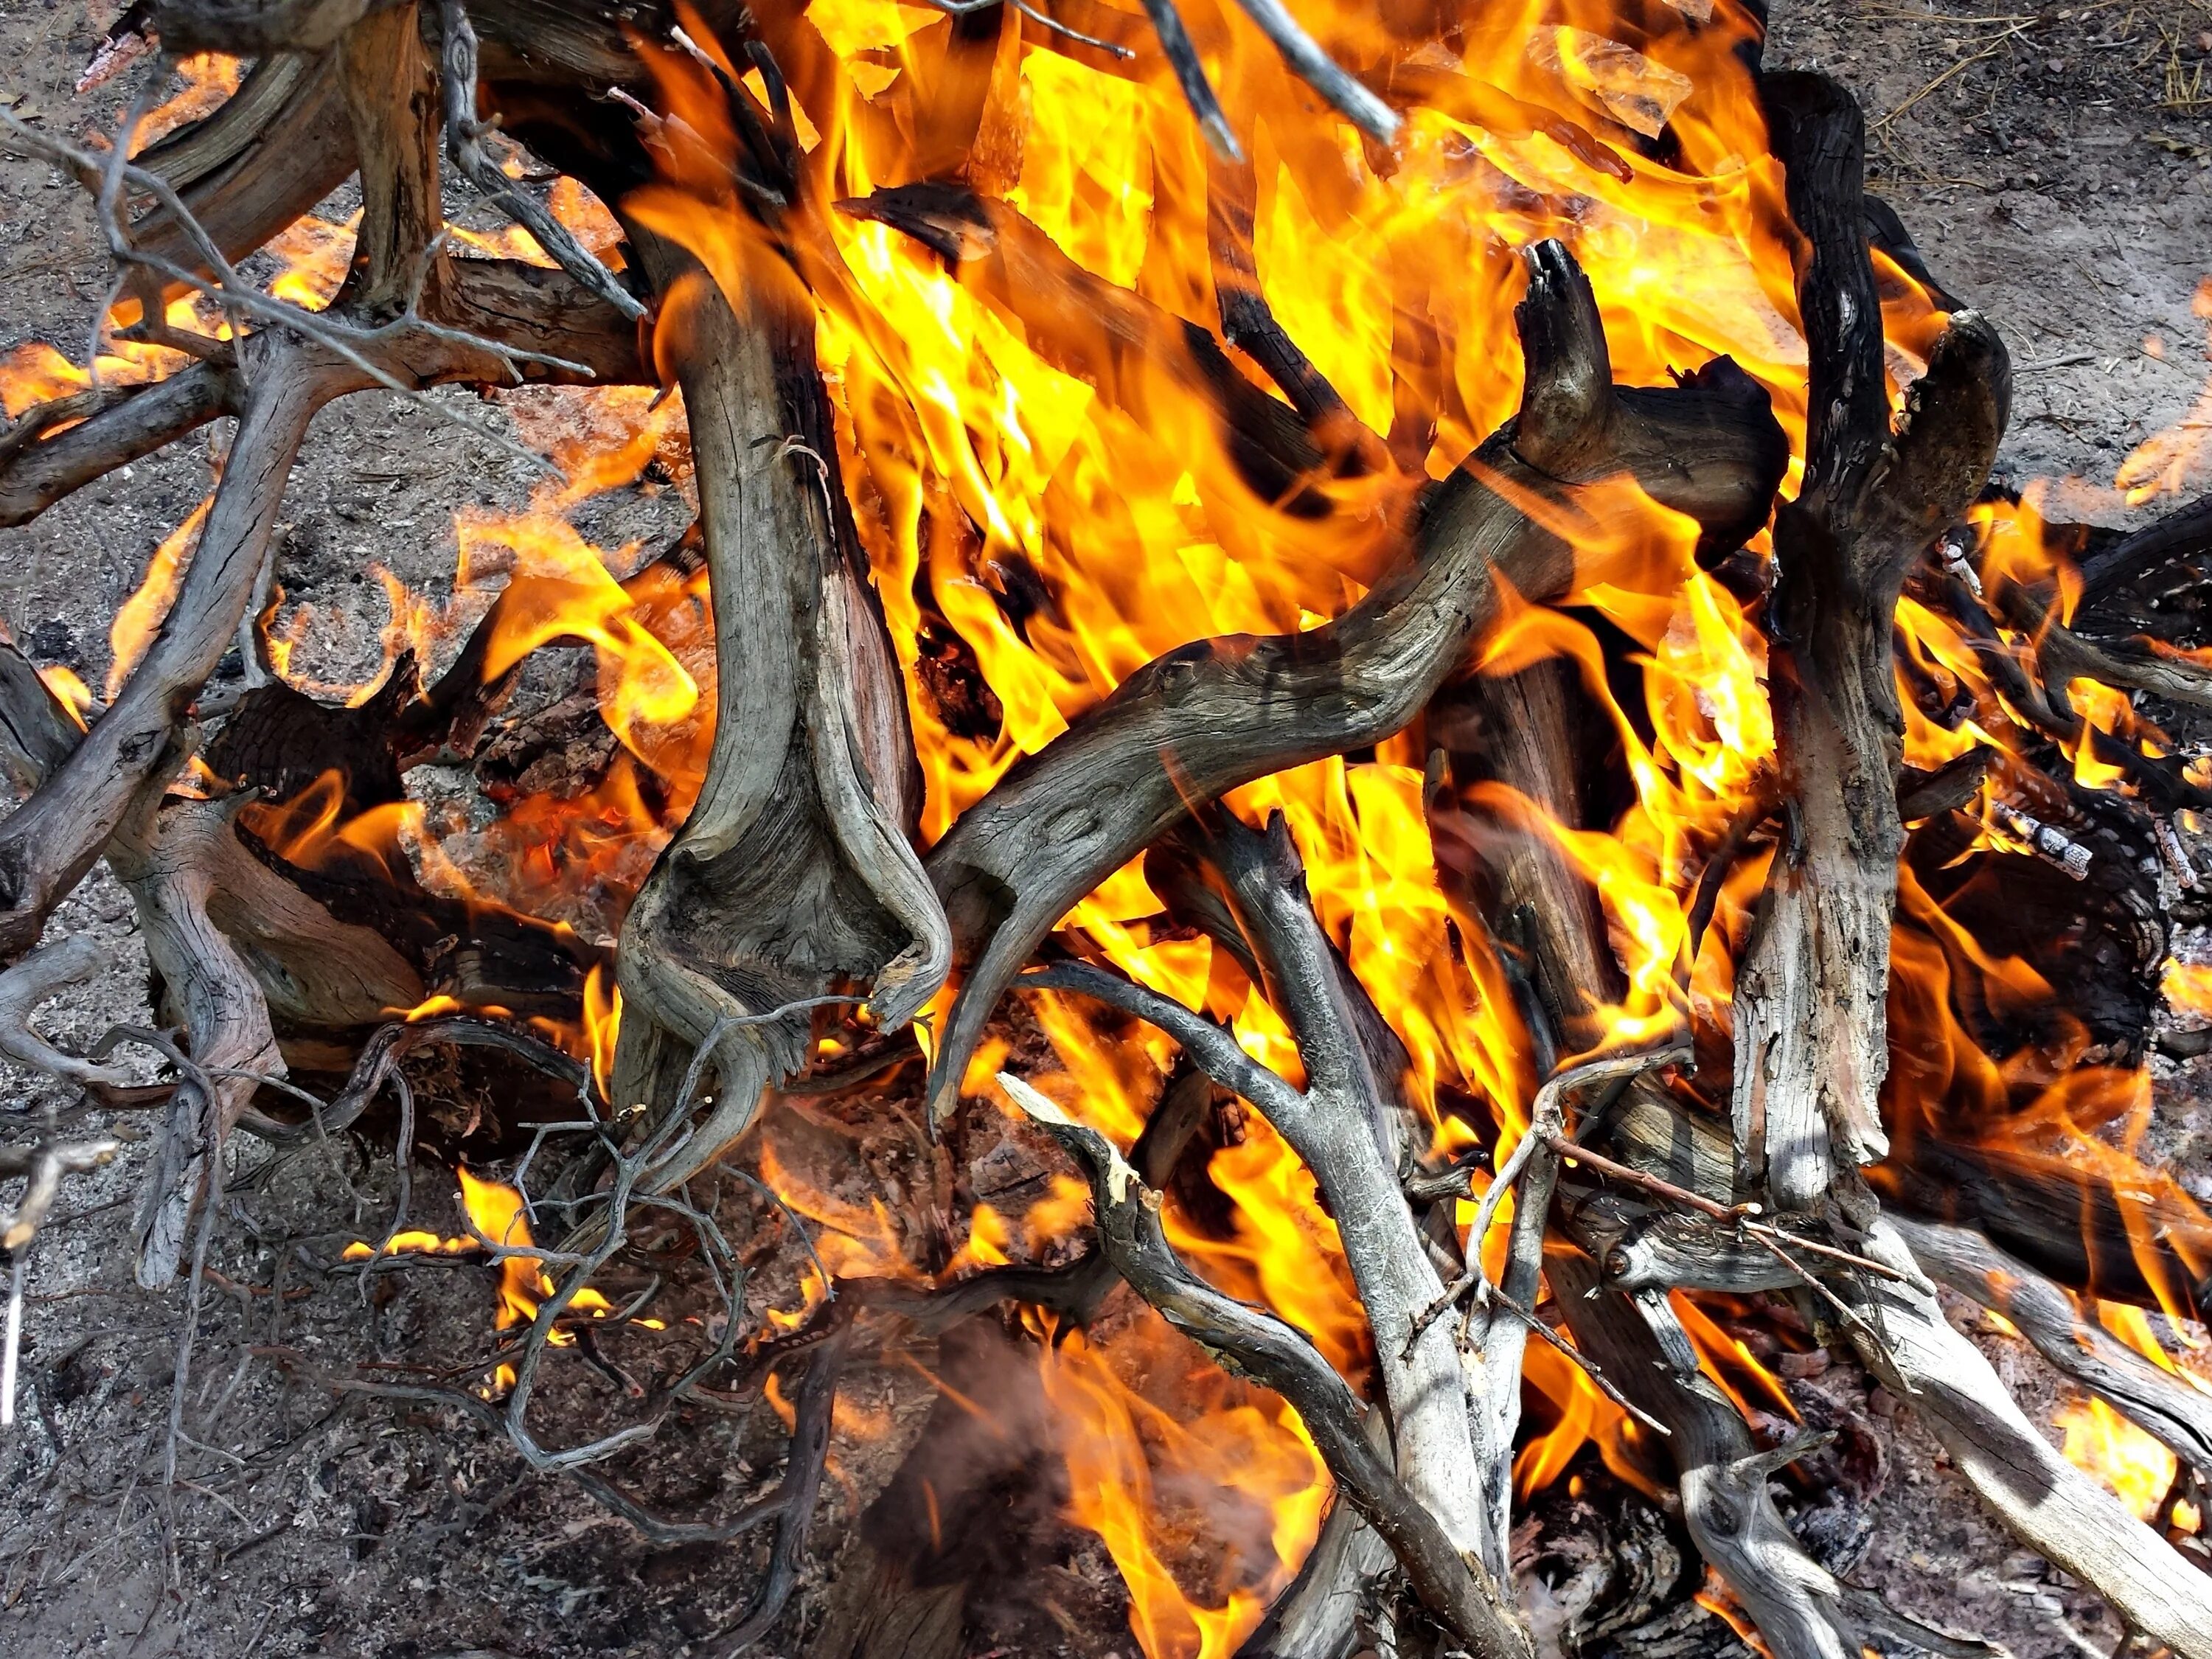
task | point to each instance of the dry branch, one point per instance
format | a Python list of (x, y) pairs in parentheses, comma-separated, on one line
[(1262, 1346), (1799, 1606), (1219, 712), (1811, 1033), (39, 978), (793, 873), (260, 161), (2049, 1506), (2172, 1408), (393, 97)]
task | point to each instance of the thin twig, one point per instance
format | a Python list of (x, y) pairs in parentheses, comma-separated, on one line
[(465, 143), (1739, 1214), (228, 288), (1546, 1118)]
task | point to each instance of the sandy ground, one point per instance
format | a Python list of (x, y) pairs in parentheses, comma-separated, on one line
[(2056, 171)]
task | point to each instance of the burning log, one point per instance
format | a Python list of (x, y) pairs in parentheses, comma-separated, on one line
[(1813, 981), (1207, 719), (1679, 1086)]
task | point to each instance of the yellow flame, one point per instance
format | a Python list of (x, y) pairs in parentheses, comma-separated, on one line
[(2119, 1457)]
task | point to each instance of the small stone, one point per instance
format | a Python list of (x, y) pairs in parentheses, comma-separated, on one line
[(1801, 1365), (2056, 66)]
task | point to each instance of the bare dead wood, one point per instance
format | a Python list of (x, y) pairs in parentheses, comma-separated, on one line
[(1443, 1458), (1180, 869), (2048, 1503), (200, 148), (1799, 1606), (393, 97), (49, 842), (37, 733), (1638, 1249), (1516, 730), (1421, 1370), (1131, 350), (2068, 1224), (1190, 76), (1271, 1352), (2184, 533), (810, 1451), (1534, 1164), (252, 167), (2169, 1406), (2064, 655), (1318, 1616), (39, 978), (1246, 320), (464, 143), (793, 873), (541, 314), (1305, 59), (1213, 714), (250, 28), (36, 474), (1509, 879), (1811, 1035), (42, 1164), (162, 856)]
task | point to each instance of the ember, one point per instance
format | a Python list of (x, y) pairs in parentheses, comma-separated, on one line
[(1349, 735)]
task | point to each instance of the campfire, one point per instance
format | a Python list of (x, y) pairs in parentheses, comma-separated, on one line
[(1348, 804)]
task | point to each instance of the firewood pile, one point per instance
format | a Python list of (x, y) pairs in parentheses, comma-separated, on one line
[(1348, 706)]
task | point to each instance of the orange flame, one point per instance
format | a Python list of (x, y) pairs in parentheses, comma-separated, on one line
[(2119, 1457), (494, 1211)]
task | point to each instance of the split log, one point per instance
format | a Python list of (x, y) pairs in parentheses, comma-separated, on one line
[(1811, 1033)]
